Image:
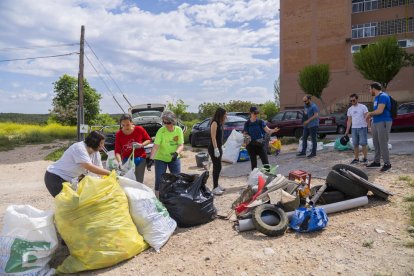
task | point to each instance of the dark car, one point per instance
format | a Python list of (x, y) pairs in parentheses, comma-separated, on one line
[(290, 124), (200, 134), (405, 117), (340, 119), (245, 115)]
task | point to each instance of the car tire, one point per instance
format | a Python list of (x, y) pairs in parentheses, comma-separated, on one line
[(329, 196), (341, 129), (353, 169), (345, 185), (298, 133), (276, 229)]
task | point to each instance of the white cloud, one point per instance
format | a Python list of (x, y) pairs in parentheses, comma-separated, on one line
[(28, 95), (221, 44)]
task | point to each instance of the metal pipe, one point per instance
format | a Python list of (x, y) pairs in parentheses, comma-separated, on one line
[(315, 198), (247, 224)]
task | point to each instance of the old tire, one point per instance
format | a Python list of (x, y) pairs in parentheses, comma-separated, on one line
[(276, 229), (345, 185), (298, 133), (329, 196), (192, 141), (353, 169)]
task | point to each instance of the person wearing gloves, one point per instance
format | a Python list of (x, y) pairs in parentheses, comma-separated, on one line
[(214, 149), (168, 144), (75, 162), (131, 138), (256, 130)]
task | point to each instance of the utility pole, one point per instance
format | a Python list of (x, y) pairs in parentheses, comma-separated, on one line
[(81, 118)]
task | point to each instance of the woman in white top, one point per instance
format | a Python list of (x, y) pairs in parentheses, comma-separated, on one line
[(77, 160)]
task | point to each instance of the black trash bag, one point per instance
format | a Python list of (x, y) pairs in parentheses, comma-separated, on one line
[(187, 199)]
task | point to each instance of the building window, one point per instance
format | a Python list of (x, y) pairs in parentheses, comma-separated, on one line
[(393, 3), (364, 30), (396, 26), (364, 5)]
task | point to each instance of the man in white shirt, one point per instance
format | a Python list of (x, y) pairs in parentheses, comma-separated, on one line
[(356, 116)]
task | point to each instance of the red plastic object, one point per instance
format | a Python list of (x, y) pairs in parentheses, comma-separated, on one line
[(243, 206), (301, 175)]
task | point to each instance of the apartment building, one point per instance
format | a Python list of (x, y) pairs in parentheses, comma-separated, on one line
[(326, 31)]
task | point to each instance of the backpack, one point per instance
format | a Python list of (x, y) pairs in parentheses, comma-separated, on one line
[(394, 107)]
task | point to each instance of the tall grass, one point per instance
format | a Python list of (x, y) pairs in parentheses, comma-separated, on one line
[(12, 134)]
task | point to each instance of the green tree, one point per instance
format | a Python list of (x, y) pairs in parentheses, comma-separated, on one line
[(381, 61), (206, 110), (313, 79), (66, 100), (269, 109), (236, 105), (103, 120), (179, 108), (276, 91)]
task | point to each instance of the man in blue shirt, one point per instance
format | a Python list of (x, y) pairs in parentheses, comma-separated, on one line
[(310, 126), (381, 126)]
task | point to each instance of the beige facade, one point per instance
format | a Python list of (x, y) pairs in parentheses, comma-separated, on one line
[(323, 31)]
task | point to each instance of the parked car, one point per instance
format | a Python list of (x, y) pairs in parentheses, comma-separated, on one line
[(340, 119), (405, 117), (200, 133), (245, 115), (146, 115), (290, 124)]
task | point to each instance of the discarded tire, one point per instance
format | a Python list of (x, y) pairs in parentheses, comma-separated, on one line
[(353, 169), (276, 229), (345, 185), (330, 195)]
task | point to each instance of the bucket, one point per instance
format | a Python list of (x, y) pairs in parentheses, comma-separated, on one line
[(200, 158)]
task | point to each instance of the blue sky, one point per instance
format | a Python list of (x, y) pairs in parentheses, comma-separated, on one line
[(157, 51)]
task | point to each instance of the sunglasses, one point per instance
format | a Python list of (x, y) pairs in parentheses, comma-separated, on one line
[(352, 101), (166, 123)]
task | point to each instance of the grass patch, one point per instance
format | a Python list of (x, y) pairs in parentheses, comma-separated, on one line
[(368, 244), (289, 140), (411, 209), (409, 198), (409, 244), (13, 134), (408, 179), (56, 154)]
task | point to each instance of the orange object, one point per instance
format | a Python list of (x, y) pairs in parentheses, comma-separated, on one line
[(301, 176)]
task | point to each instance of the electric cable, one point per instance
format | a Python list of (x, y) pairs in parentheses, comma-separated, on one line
[(62, 55), (37, 47)]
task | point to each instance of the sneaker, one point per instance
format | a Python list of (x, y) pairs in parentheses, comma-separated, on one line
[(301, 154), (364, 161), (217, 191), (374, 165), (221, 188), (385, 168), (311, 155), (355, 161)]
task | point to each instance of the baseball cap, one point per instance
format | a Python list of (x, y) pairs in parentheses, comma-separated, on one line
[(254, 109)]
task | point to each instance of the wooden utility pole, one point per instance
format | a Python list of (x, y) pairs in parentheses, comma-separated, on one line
[(81, 118)]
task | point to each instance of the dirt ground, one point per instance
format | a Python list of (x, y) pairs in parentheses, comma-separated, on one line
[(365, 241)]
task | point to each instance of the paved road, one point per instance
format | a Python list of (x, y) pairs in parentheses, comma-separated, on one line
[(402, 144)]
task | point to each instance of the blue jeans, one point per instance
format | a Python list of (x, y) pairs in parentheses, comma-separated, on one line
[(360, 136), (312, 131), (161, 167)]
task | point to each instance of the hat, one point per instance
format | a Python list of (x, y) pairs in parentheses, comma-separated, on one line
[(254, 109), (344, 140)]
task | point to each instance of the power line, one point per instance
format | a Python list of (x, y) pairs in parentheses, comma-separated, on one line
[(62, 55), (107, 72), (37, 47), (110, 91)]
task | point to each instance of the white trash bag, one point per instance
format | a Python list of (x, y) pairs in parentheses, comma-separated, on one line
[(149, 215), (254, 177), (111, 163), (27, 242), (232, 147), (319, 146)]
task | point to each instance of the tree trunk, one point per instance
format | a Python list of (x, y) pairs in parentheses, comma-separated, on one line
[(325, 110)]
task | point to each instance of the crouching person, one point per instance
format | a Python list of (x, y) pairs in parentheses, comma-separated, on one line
[(77, 160)]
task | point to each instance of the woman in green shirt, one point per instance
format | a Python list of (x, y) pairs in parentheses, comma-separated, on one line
[(168, 144)]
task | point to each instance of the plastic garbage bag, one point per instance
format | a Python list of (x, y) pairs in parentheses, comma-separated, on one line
[(95, 223), (27, 242), (232, 147), (309, 219), (254, 177), (187, 198), (340, 147), (111, 163), (148, 213), (243, 156)]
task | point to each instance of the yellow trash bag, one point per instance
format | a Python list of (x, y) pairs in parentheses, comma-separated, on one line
[(275, 146), (95, 223)]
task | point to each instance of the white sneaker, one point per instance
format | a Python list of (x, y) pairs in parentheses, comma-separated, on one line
[(221, 188), (217, 191)]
